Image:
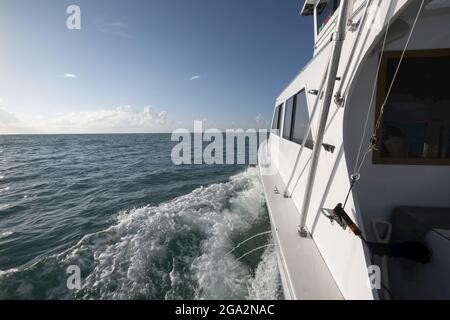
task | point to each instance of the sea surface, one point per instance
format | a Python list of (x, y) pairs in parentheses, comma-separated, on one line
[(136, 226)]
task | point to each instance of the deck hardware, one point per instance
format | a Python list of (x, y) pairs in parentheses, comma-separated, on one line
[(342, 218), (415, 251), (339, 100), (313, 92), (338, 36), (321, 95), (304, 233), (373, 143), (353, 26), (276, 190), (329, 214), (328, 147), (355, 177)]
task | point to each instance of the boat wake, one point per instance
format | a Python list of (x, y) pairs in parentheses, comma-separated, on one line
[(176, 250)]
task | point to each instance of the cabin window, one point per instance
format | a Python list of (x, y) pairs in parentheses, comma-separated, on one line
[(324, 11), (415, 127), (276, 124), (288, 112), (296, 120), (301, 121)]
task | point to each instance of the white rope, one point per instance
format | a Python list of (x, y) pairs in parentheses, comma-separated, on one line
[(355, 171), (358, 168), (247, 240), (256, 249)]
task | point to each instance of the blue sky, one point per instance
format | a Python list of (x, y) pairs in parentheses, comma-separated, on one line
[(147, 65)]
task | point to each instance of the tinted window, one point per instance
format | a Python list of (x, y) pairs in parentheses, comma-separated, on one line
[(416, 121), (288, 109), (276, 119), (280, 118), (301, 120), (325, 11)]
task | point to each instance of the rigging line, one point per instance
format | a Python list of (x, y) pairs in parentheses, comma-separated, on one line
[(380, 117), (372, 97), (248, 239), (352, 184), (256, 249)]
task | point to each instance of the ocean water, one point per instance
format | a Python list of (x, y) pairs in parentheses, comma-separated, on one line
[(137, 226)]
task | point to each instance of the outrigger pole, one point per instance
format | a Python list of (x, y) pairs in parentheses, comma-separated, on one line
[(337, 39)]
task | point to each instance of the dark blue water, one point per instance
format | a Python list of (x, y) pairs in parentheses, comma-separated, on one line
[(137, 226)]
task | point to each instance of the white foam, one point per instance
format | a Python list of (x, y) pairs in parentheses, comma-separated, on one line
[(266, 285), (6, 272), (5, 234), (176, 250), (142, 241)]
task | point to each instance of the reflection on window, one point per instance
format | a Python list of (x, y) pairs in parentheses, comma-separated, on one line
[(276, 124), (288, 109), (275, 118), (325, 10), (416, 121), (296, 120), (301, 120)]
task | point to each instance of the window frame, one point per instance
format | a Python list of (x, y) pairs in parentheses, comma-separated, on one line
[(381, 92), (278, 108), (293, 117), (309, 143), (318, 33), (293, 98), (275, 118)]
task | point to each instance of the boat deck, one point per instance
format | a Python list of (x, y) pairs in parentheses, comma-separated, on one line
[(304, 273)]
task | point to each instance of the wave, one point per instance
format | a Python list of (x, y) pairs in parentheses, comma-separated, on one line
[(176, 250), (5, 234)]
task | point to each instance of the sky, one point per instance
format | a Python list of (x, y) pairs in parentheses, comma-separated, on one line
[(139, 66)]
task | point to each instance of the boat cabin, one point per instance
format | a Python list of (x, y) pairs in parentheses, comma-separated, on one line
[(398, 53)]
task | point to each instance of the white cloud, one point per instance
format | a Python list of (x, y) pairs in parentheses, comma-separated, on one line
[(261, 123), (122, 119), (195, 77), (119, 117), (70, 75)]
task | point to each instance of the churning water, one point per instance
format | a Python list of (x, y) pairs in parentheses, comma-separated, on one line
[(137, 226)]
